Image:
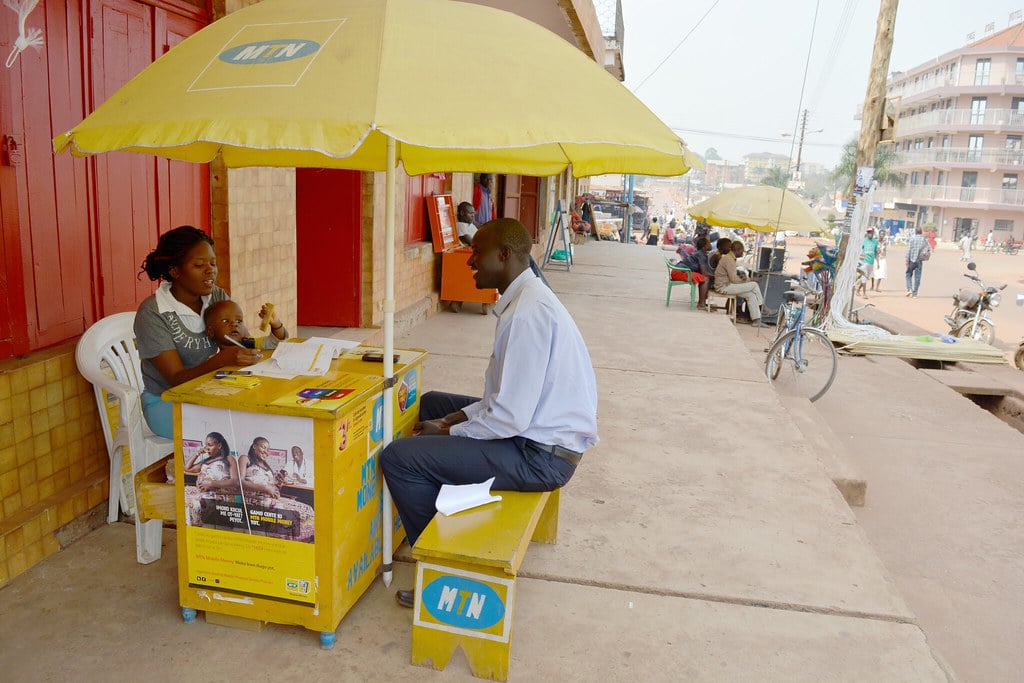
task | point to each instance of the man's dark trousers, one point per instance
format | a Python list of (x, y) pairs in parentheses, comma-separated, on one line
[(416, 467)]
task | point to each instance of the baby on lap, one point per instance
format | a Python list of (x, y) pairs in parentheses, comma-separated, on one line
[(226, 327)]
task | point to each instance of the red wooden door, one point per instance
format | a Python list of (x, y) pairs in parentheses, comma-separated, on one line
[(44, 203), (183, 195), (126, 206), (328, 246)]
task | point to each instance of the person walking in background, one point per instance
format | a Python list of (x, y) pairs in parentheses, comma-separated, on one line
[(965, 247), (483, 202), (653, 231), (881, 268), (916, 247), (931, 239), (868, 252)]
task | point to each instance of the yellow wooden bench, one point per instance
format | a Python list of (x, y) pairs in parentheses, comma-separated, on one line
[(154, 497), (466, 567)]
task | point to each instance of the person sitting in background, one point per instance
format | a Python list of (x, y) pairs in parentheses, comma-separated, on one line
[(700, 269), (729, 281), (224, 323), (722, 247), (464, 222)]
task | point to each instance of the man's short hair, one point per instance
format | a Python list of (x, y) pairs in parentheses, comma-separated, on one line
[(508, 232), (465, 204), (723, 244)]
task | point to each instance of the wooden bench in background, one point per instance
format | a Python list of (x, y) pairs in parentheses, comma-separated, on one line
[(466, 567), (730, 303)]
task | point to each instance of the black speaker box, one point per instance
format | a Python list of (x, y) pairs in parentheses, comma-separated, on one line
[(773, 287), (771, 259)]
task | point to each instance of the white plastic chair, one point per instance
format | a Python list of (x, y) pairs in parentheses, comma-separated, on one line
[(106, 356)]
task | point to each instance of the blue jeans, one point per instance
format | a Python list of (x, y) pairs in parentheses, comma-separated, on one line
[(415, 467), (914, 276), (159, 415)]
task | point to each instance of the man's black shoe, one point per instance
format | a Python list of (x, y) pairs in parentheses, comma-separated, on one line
[(405, 598)]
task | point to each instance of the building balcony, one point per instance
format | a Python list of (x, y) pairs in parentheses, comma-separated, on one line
[(951, 195), (941, 157), (949, 120)]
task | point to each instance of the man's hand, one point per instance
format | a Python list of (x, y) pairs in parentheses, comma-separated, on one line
[(432, 428)]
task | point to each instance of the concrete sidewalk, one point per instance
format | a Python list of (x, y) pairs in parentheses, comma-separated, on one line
[(701, 539)]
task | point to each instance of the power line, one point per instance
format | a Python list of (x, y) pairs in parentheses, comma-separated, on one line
[(678, 45), (842, 27), (756, 138)]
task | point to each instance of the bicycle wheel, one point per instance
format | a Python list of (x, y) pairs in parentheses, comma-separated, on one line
[(803, 363)]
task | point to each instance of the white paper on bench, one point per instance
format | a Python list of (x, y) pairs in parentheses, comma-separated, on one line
[(452, 498)]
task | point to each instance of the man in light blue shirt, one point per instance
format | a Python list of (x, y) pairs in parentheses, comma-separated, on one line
[(539, 407)]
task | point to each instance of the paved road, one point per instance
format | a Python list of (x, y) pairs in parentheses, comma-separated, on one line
[(942, 277)]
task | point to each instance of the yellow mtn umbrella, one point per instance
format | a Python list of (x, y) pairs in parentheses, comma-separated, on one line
[(363, 84), (758, 207), (324, 83)]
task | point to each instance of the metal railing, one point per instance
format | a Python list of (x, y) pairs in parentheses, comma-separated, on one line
[(908, 87), (961, 118), (959, 156), (916, 194)]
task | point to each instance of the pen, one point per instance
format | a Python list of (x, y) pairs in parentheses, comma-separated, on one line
[(258, 355)]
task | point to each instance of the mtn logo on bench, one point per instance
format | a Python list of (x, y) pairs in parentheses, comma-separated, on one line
[(462, 602)]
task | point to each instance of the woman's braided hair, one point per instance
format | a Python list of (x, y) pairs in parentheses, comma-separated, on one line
[(171, 250)]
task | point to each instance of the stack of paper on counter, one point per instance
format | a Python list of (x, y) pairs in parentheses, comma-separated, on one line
[(452, 498), (291, 359), (336, 346)]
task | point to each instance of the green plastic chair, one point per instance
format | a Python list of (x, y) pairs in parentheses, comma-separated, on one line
[(672, 283)]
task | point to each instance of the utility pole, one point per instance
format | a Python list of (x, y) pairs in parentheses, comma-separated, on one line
[(872, 115), (800, 143), (874, 100)]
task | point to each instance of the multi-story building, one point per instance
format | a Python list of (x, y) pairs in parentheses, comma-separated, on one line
[(959, 136), (719, 173), (760, 163)]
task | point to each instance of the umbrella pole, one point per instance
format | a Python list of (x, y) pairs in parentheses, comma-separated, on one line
[(387, 521)]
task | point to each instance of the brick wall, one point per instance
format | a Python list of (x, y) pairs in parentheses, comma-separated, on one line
[(260, 248), (53, 459)]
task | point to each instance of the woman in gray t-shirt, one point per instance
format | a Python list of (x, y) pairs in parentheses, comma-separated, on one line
[(169, 327)]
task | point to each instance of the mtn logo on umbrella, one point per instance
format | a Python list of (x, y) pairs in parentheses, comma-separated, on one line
[(284, 52), (269, 52)]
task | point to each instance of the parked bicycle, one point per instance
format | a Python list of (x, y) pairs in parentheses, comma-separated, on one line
[(801, 359)]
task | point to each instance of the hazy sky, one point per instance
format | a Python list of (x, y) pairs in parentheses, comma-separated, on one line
[(739, 74)]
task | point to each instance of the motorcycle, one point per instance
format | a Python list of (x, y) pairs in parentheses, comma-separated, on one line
[(969, 319)]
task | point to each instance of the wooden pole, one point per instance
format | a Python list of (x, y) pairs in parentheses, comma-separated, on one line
[(870, 120), (874, 99)]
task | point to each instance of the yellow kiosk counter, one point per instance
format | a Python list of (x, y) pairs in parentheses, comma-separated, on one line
[(304, 541)]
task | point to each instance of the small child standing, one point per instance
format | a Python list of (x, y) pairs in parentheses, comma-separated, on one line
[(226, 327)]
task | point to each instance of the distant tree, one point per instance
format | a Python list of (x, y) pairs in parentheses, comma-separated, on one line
[(886, 156), (712, 155), (776, 177)]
